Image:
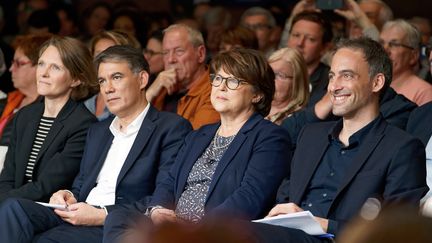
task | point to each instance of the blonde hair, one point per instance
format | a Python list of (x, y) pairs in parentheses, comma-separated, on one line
[(299, 95), (118, 37)]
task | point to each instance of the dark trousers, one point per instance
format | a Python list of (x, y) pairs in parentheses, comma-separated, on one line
[(23, 220)]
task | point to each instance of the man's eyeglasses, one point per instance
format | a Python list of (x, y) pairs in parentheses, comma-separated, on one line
[(151, 53), (232, 83), (19, 64), (394, 44)]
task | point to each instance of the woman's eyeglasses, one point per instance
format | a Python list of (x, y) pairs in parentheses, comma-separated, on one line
[(231, 82), (19, 64)]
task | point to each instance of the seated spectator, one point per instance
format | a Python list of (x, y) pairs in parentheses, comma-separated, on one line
[(153, 54), (43, 21), (99, 43), (292, 84), (184, 86), (238, 37), (232, 168), (215, 22), (401, 41), (125, 158), (23, 71), (48, 136), (262, 22), (311, 34), (338, 166), (95, 19)]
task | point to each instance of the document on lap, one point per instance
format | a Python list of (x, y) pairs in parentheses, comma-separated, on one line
[(54, 206), (301, 220)]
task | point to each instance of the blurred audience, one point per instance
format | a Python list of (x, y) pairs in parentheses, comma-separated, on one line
[(154, 55), (238, 37)]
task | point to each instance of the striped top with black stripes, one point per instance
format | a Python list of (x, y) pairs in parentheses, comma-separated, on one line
[(44, 127)]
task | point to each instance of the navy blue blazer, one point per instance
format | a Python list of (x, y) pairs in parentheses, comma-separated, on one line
[(390, 166), (246, 179), (58, 160), (147, 164), (420, 123)]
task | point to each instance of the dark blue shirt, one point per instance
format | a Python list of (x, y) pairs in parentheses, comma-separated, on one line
[(334, 165)]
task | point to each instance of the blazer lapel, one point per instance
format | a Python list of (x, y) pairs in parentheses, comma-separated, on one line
[(232, 150), (27, 143), (146, 130), (56, 127), (310, 160), (199, 145)]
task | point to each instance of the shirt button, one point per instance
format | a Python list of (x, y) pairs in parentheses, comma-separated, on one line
[(331, 173), (310, 205), (342, 152), (324, 194)]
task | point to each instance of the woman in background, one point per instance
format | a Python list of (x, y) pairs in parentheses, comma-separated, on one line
[(292, 84), (23, 70), (48, 136)]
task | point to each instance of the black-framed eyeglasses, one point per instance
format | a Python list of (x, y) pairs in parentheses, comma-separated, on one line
[(151, 53), (232, 83), (394, 44)]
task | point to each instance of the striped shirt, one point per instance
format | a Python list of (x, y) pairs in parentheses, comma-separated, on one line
[(44, 127)]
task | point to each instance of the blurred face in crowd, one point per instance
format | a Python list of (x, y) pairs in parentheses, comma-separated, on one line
[(179, 54), (284, 74), (125, 24), (98, 20), (402, 55), (153, 55), (260, 25), (102, 45), (22, 69), (372, 10), (53, 78), (306, 36)]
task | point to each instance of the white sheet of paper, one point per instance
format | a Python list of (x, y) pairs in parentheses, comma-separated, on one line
[(54, 206), (300, 220)]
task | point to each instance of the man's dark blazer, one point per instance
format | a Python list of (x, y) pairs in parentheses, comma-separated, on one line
[(420, 123), (246, 179), (390, 166), (58, 160), (147, 164)]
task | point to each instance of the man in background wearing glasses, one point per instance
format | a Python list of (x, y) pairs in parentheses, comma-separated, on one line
[(401, 41), (184, 86)]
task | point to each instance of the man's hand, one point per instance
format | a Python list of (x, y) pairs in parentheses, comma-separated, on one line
[(304, 5), (62, 197), (166, 79), (162, 215), (354, 14), (323, 107), (82, 214), (284, 208)]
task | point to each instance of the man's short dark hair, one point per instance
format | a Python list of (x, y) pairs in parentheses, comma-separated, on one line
[(319, 19), (375, 56), (125, 53)]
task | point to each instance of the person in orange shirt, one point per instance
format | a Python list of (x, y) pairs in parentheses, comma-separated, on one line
[(184, 85)]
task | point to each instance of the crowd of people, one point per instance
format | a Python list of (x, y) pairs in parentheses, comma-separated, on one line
[(172, 130)]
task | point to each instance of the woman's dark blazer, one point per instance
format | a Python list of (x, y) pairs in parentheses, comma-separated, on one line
[(247, 177), (59, 158)]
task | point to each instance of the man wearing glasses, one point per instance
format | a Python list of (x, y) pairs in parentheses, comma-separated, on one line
[(401, 41), (262, 22), (184, 86)]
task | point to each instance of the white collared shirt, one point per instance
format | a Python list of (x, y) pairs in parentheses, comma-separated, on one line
[(104, 192)]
